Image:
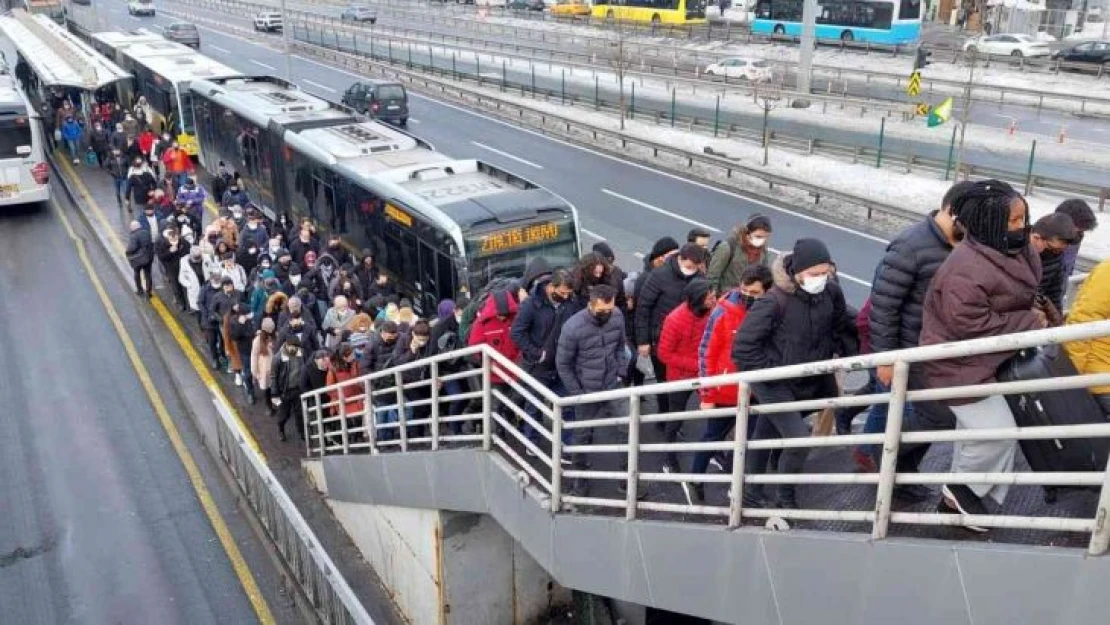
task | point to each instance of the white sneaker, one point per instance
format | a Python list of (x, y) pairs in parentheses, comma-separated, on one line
[(716, 464), (238, 379)]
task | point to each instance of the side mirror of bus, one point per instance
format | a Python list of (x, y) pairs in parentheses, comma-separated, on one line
[(23, 150)]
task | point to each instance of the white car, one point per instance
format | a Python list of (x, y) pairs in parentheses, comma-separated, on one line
[(267, 22), (755, 70), (140, 7), (1009, 45)]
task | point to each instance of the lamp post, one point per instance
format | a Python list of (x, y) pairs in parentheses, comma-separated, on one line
[(767, 101)]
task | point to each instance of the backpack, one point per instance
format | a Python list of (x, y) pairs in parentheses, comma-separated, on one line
[(731, 251), (470, 313)]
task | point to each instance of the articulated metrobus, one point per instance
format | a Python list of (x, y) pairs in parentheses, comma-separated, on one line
[(438, 225), (651, 11), (163, 70), (893, 22)]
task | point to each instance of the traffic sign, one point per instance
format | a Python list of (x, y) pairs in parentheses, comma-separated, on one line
[(921, 109), (914, 87)]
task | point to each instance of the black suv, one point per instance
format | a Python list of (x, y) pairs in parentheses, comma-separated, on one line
[(387, 101)]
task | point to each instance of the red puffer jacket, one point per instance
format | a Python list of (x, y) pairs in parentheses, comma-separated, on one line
[(715, 347), (493, 326), (679, 340)]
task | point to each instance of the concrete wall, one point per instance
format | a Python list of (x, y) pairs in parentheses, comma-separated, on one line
[(450, 568), (750, 576)]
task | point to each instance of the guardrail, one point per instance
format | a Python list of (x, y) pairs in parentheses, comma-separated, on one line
[(709, 125), (675, 61), (401, 409)]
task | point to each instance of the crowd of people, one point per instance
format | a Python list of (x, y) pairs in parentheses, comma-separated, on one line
[(286, 312)]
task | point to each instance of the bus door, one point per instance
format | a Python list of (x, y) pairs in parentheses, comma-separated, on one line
[(323, 201)]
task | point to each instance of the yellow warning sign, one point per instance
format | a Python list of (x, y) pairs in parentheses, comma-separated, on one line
[(914, 87), (921, 109)]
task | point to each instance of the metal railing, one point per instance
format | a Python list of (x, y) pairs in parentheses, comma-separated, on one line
[(502, 391)]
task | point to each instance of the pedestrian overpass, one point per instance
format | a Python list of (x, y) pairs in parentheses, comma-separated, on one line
[(851, 555)]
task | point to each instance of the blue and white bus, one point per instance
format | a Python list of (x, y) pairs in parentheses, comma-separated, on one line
[(875, 21)]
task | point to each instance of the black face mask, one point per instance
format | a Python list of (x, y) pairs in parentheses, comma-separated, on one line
[(1049, 253), (700, 310), (602, 317), (747, 301), (558, 298), (1016, 240)]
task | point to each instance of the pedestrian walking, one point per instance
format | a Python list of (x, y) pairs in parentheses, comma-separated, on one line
[(140, 255)]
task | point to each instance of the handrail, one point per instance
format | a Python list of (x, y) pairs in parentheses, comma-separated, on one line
[(509, 440)]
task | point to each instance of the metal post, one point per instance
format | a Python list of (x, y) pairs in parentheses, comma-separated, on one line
[(632, 111), (633, 457), (597, 103), (503, 76), (1029, 170), (890, 449), (285, 43), (487, 403), (371, 421), (556, 456), (390, 41), (739, 451), (410, 55), (344, 436), (672, 106), (766, 139), (454, 69), (805, 54), (951, 151), (563, 92), (478, 67), (401, 420), (882, 131), (533, 67), (320, 422), (717, 115), (435, 404)]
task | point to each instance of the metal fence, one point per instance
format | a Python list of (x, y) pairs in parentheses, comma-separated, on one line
[(330, 598), (351, 417)]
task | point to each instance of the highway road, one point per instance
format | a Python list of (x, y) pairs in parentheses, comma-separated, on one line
[(629, 205), (817, 126), (101, 521)]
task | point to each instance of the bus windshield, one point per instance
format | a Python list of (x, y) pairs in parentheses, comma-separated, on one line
[(507, 252), (13, 135)]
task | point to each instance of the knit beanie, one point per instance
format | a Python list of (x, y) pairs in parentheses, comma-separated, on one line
[(808, 253), (662, 247)]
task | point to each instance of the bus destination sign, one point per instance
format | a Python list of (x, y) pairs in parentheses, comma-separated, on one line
[(515, 238), (398, 215)]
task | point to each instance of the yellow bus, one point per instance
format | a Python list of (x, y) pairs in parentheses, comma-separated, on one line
[(651, 11)]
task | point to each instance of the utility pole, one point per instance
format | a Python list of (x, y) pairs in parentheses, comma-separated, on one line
[(965, 113), (809, 41), (285, 26)]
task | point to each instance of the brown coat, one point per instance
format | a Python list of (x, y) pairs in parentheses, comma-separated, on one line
[(978, 292)]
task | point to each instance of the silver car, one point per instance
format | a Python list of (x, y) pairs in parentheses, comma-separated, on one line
[(358, 13), (183, 32)]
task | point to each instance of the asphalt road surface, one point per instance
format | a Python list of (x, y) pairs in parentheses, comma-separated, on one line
[(101, 523)]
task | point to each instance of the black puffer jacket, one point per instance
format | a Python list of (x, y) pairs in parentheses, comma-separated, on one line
[(591, 357), (1052, 279), (901, 281), (661, 293), (536, 329), (790, 326)]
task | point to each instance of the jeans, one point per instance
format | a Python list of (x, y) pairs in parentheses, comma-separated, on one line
[(454, 407), (215, 345), (290, 408), (71, 145), (121, 189), (611, 435), (876, 420), (927, 416), (682, 400), (555, 385), (390, 416), (144, 271)]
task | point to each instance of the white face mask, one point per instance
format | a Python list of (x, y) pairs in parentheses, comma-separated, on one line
[(687, 272), (295, 280), (757, 241), (814, 284)]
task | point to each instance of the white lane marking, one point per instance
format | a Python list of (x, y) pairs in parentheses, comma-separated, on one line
[(261, 64), (507, 155), (591, 233), (224, 50), (318, 85), (413, 120), (708, 187), (661, 211)]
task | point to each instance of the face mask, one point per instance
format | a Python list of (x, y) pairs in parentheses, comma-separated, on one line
[(252, 226), (419, 342), (558, 298), (294, 280), (265, 265), (236, 212), (747, 300), (814, 285), (1049, 253), (1016, 241), (757, 241), (700, 310), (292, 351), (602, 316), (687, 272)]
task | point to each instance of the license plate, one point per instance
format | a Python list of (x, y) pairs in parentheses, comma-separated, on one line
[(393, 107), (8, 190)]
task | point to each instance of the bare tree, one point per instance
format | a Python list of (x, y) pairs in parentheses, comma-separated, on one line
[(768, 100), (621, 61)]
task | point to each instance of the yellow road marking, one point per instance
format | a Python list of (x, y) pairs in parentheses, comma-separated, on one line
[(175, 328), (250, 586)]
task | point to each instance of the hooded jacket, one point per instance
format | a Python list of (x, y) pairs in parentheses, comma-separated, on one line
[(536, 329), (141, 182), (788, 326), (320, 276), (901, 281), (286, 375), (592, 357), (1092, 303), (661, 293), (730, 259), (682, 333), (493, 326), (715, 347), (978, 292), (140, 248)]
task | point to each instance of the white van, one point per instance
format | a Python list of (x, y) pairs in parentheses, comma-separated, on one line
[(24, 173)]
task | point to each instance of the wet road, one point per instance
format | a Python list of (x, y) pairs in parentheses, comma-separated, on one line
[(101, 523)]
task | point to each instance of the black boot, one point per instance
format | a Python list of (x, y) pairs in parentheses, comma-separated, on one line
[(787, 497)]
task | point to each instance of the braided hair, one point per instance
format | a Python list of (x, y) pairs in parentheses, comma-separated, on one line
[(983, 210)]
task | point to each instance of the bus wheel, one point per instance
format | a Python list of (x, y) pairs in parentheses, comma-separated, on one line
[(655, 20), (780, 29), (847, 36)]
